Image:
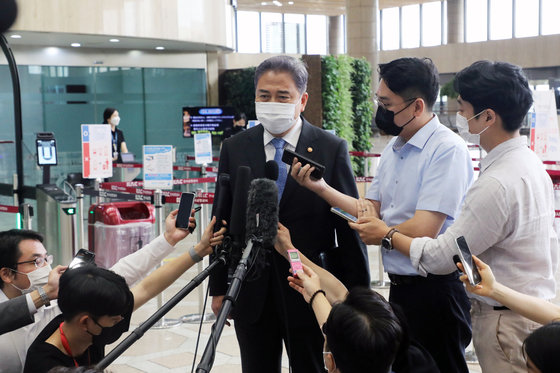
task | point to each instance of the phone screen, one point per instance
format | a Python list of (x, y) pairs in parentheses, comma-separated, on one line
[(343, 214), (82, 258), (185, 209), (466, 259)]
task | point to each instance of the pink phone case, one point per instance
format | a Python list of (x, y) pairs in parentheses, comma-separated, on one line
[(295, 261)]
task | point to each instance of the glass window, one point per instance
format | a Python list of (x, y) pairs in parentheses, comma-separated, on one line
[(248, 40), (526, 18), (294, 27), (444, 41), (500, 19), (390, 28), (271, 32), (317, 34), (431, 24), (550, 12), (410, 26), (476, 20)]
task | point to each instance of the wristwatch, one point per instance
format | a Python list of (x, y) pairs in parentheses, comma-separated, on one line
[(387, 241), (44, 298)]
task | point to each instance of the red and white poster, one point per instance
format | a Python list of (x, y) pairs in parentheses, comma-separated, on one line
[(96, 151)]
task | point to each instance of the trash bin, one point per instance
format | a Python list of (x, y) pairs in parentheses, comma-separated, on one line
[(118, 229)]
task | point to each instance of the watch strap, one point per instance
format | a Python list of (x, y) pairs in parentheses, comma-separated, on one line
[(390, 234), (194, 256), (44, 297)]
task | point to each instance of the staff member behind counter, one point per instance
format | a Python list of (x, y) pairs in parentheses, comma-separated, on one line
[(111, 116)]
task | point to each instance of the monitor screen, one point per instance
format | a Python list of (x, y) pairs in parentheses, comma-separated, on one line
[(206, 119), (46, 152)]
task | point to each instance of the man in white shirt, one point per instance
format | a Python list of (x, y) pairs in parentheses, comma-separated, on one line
[(507, 217), (22, 253)]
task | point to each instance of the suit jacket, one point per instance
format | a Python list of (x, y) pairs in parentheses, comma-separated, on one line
[(15, 314), (313, 228)]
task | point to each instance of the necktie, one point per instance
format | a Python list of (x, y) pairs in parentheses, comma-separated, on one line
[(282, 167)]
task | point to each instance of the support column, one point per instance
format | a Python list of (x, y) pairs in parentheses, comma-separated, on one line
[(361, 33), (212, 74), (455, 21), (336, 35)]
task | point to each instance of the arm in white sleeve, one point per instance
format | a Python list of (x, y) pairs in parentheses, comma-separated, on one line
[(135, 266)]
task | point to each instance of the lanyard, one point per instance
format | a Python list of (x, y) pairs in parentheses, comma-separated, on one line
[(66, 346), (115, 137)]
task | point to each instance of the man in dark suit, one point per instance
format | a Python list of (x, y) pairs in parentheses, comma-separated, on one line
[(267, 311)]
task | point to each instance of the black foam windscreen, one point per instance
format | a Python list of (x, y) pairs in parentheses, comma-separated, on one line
[(222, 207), (271, 170), (239, 204), (8, 13), (262, 211)]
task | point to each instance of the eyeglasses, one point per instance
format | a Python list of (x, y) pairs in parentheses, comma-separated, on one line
[(39, 261), (387, 106)]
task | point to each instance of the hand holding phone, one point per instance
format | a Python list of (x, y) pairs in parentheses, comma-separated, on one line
[(82, 258), (465, 257), (343, 214), (295, 261), (288, 158), (185, 209)]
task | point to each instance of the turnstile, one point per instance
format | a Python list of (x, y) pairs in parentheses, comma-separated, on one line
[(56, 220)]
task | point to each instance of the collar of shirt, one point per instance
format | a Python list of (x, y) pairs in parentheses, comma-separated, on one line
[(291, 137), (500, 150), (421, 136)]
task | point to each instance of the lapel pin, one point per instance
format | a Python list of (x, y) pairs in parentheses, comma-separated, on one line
[(309, 149)]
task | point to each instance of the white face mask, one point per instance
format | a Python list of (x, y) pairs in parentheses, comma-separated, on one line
[(37, 278), (462, 124), (186, 118), (115, 121), (276, 117)]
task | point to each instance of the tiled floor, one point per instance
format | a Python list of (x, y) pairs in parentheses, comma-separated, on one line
[(172, 350)]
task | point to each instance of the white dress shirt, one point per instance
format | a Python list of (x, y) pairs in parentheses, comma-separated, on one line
[(14, 345), (508, 222), (291, 139)]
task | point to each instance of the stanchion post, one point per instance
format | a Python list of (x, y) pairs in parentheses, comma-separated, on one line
[(163, 323), (15, 188), (27, 215), (80, 199)]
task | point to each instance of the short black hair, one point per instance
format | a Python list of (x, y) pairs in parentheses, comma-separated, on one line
[(412, 77), (499, 86), (542, 346), (97, 291), (240, 116), (363, 333), (9, 247), (107, 114), (295, 67)]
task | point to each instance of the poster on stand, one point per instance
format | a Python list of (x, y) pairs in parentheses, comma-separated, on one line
[(203, 148), (158, 166), (545, 140), (97, 161)]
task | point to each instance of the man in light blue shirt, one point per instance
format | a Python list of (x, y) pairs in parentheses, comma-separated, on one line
[(423, 176)]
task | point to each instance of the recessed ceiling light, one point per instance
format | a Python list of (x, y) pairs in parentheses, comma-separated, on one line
[(114, 40), (263, 3), (277, 3), (290, 3), (15, 36), (76, 45), (160, 48)]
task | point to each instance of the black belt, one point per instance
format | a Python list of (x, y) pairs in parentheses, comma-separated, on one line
[(409, 280), (501, 308)]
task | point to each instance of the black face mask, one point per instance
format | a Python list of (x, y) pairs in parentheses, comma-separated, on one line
[(385, 120)]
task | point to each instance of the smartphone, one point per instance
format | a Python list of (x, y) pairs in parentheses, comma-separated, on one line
[(82, 258), (288, 158), (185, 209), (466, 259), (295, 261), (343, 214)]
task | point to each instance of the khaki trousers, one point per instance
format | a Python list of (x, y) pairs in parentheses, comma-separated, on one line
[(498, 337)]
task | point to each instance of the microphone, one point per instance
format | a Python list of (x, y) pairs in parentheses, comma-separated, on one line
[(262, 211), (222, 207), (262, 223), (8, 13), (239, 206), (271, 170)]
